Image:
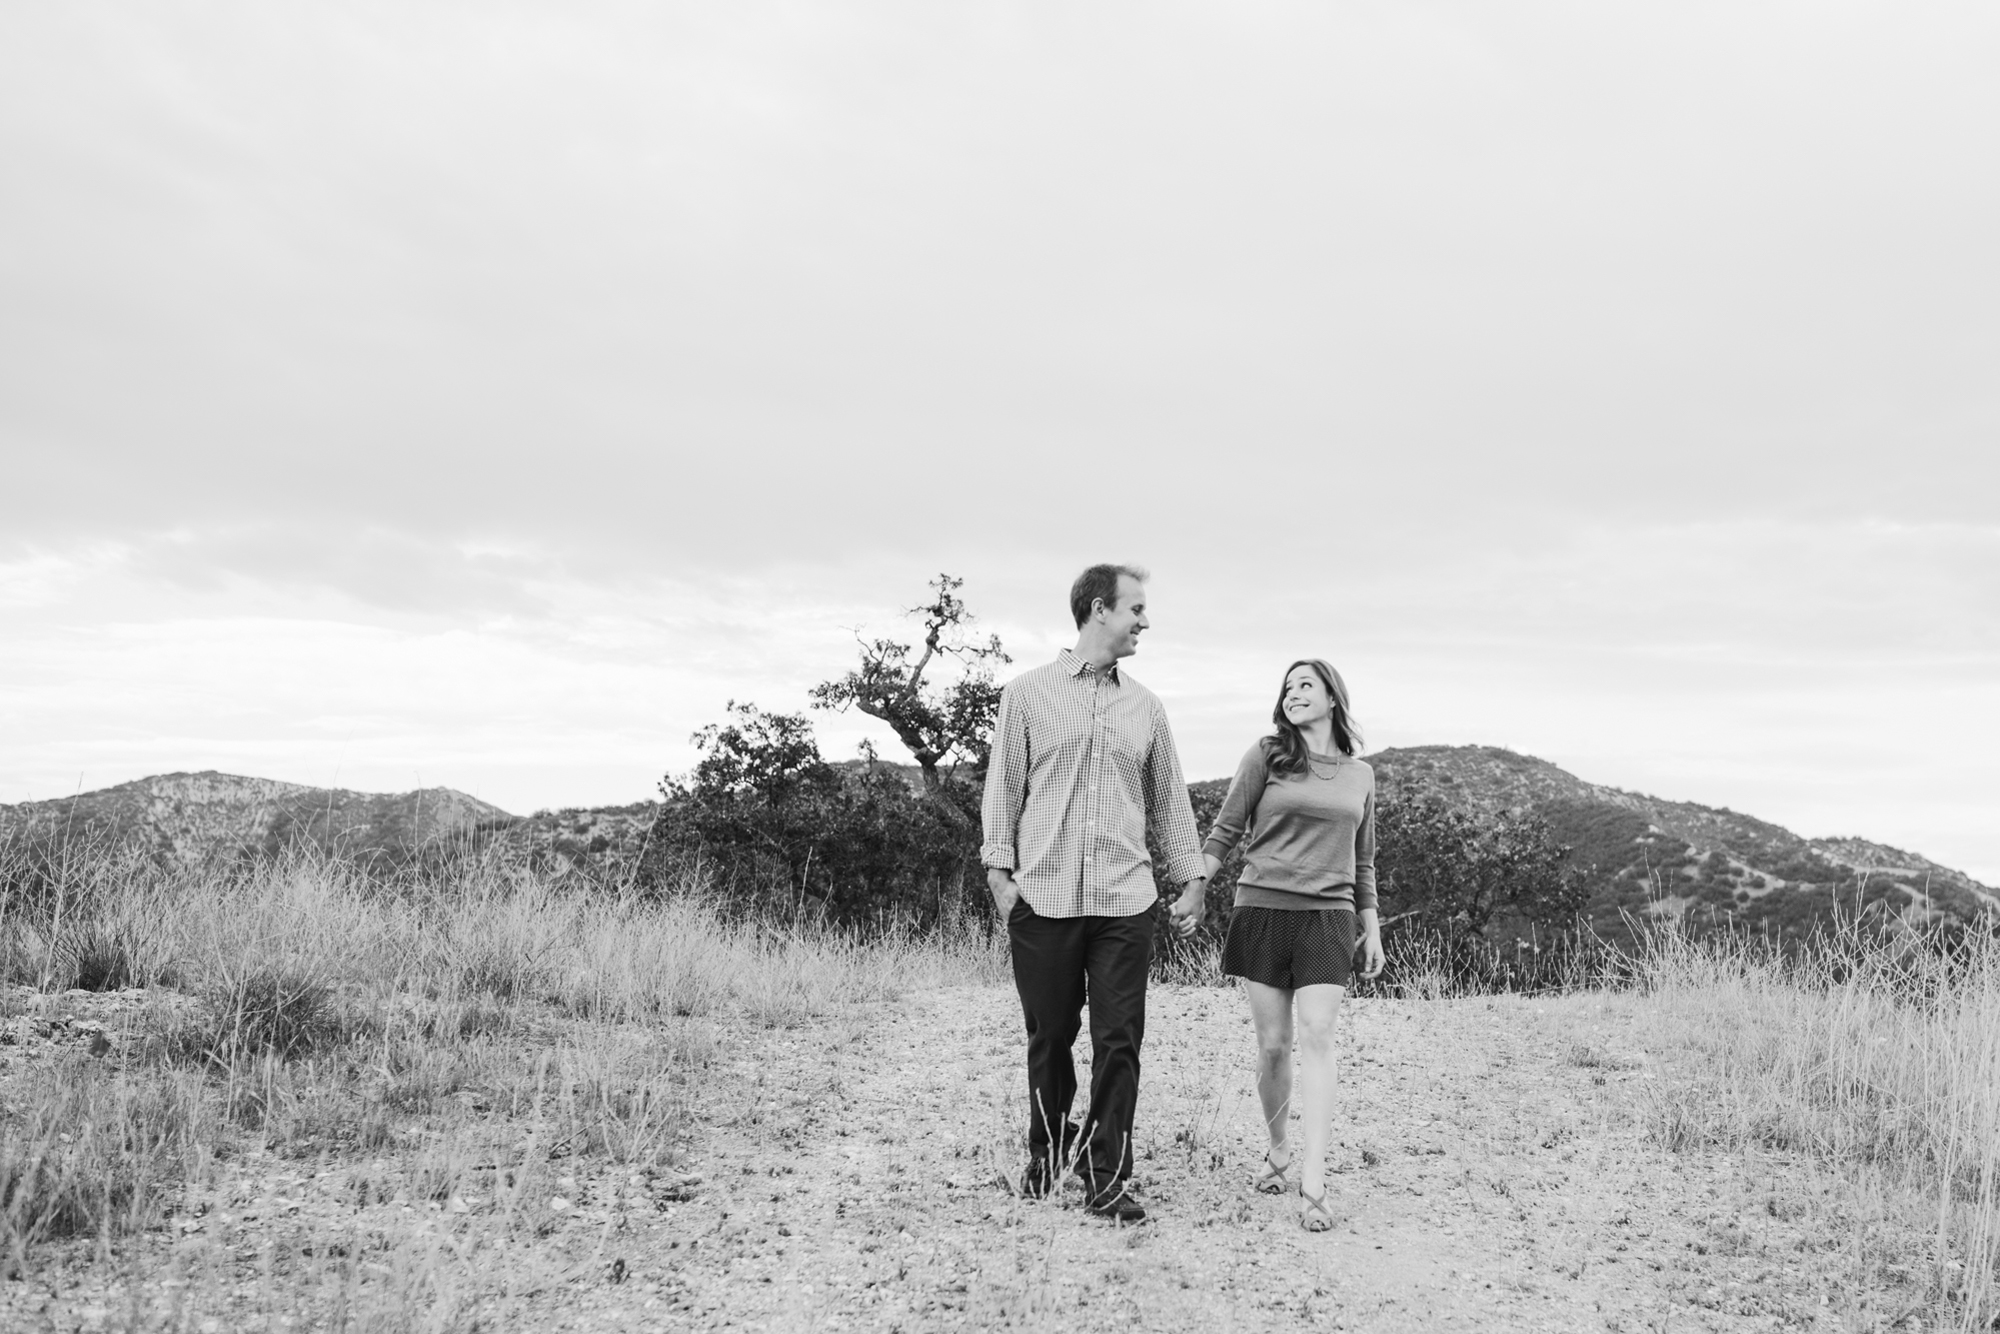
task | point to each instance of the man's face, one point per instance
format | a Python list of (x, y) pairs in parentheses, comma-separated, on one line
[(1124, 622)]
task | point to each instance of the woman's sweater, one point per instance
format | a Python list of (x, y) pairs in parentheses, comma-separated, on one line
[(1311, 839)]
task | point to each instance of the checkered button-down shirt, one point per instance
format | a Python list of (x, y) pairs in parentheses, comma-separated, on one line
[(1082, 764)]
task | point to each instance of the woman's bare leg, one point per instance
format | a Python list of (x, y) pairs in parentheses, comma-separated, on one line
[(1319, 1012), (1271, 1012)]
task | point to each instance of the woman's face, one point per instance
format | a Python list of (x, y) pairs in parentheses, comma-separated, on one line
[(1306, 699)]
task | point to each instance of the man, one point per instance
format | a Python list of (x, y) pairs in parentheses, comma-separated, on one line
[(1082, 766)]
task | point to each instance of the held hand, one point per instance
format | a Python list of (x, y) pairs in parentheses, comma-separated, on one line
[(1371, 954), (1185, 913), (1000, 884)]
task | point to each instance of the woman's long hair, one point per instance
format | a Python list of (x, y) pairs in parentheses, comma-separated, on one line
[(1287, 749)]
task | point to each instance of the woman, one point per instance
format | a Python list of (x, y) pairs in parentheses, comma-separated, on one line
[(1308, 809)]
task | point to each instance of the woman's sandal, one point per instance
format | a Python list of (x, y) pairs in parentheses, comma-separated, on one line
[(1314, 1216), (1272, 1179)]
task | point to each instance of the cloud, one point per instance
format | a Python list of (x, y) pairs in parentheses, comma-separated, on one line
[(591, 276), (428, 386), (393, 571)]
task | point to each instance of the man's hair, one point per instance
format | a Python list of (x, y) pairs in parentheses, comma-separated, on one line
[(1099, 581)]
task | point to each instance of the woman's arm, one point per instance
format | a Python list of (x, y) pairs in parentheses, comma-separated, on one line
[(1371, 943), (1239, 809), (1364, 890)]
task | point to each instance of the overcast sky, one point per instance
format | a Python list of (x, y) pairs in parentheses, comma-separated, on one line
[(483, 394)]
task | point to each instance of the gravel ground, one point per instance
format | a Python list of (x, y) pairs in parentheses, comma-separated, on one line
[(1492, 1165), (1492, 1173)]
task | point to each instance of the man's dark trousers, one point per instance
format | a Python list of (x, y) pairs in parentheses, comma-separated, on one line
[(1057, 960)]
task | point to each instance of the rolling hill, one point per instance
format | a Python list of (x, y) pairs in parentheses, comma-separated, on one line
[(183, 819), (1641, 855), (1647, 856), (190, 819)]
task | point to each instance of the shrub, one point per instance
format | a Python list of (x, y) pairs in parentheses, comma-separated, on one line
[(1452, 870), (104, 958), (78, 913), (266, 1012), (782, 834)]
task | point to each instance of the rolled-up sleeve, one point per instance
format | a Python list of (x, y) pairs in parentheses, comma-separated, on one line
[(1006, 785), (1168, 812)]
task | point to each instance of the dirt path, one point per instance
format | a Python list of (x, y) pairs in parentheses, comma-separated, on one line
[(1492, 1170)]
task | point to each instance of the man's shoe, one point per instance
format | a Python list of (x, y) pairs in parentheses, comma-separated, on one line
[(1044, 1169), (1039, 1178), (1118, 1206)]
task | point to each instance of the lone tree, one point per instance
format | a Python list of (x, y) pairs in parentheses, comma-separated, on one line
[(940, 725)]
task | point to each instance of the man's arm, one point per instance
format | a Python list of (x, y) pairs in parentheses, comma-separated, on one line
[(1171, 819), (1000, 804)]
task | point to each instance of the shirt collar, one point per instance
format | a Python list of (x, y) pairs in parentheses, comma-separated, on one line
[(1073, 665)]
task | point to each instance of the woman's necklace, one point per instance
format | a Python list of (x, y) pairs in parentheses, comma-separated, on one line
[(1332, 766)]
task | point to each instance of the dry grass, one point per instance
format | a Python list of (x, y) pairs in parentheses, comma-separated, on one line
[(465, 1054), (1876, 1060), (473, 1051), (90, 1153)]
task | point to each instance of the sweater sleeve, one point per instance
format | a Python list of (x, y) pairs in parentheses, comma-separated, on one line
[(1239, 807), (1364, 855)]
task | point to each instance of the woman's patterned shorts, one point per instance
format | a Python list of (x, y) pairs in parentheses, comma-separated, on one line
[(1281, 948)]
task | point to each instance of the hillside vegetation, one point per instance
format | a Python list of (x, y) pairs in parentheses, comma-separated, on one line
[(1643, 858), (1648, 858)]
